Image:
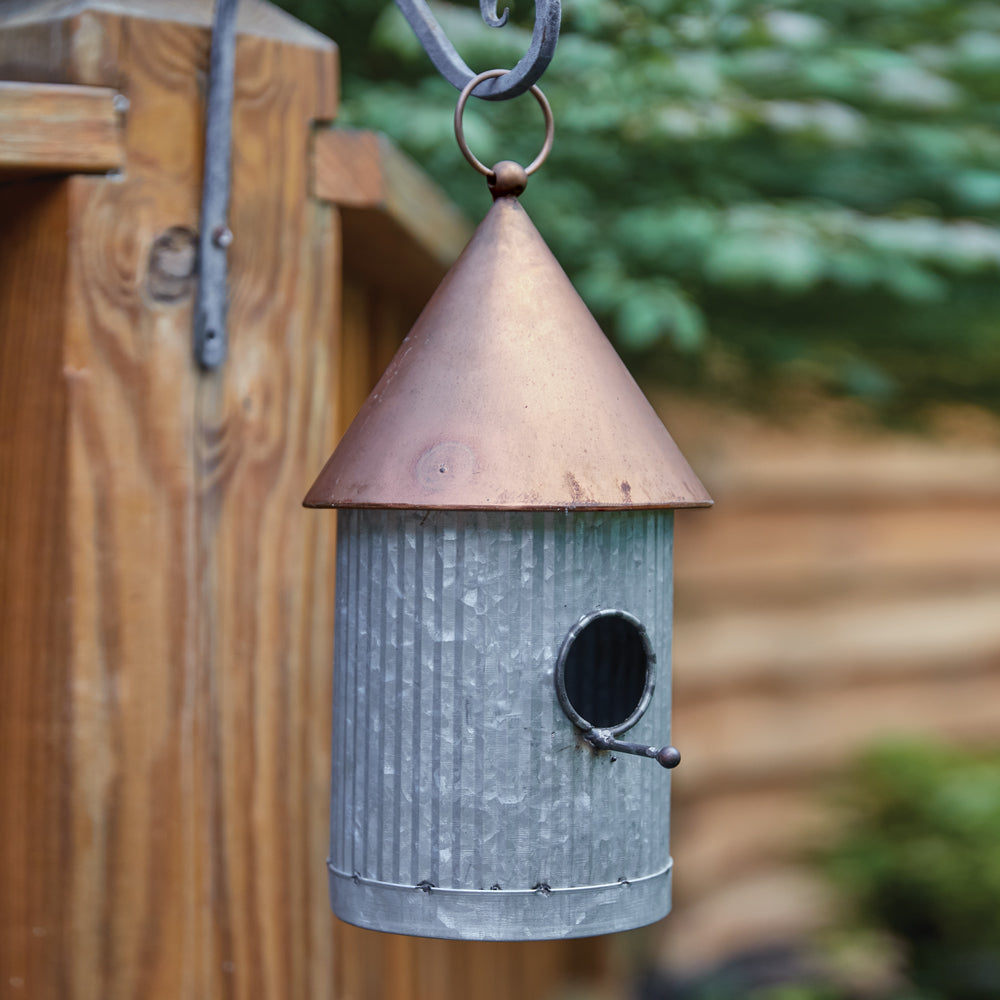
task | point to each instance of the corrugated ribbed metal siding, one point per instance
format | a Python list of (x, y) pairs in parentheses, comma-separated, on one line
[(453, 762)]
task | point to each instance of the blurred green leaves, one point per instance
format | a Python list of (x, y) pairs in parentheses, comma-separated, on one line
[(919, 857), (786, 184)]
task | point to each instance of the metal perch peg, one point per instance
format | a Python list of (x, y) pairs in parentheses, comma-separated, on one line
[(454, 69), (602, 739)]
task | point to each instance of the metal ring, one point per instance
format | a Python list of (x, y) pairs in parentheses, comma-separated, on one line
[(560, 672), (460, 132)]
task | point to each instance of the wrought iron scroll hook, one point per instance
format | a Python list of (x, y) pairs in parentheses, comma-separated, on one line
[(453, 68)]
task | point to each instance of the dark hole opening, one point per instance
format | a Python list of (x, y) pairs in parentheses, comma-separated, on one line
[(605, 671)]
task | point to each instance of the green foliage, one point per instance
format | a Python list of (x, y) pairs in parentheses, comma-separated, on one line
[(916, 861), (920, 858), (807, 186)]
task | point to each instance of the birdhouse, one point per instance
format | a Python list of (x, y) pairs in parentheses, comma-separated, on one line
[(503, 617)]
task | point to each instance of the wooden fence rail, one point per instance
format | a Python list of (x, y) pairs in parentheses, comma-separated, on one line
[(844, 589)]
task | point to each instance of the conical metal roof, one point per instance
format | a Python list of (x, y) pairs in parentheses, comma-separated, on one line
[(506, 394)]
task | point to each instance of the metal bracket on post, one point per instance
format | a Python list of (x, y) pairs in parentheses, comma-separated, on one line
[(215, 236)]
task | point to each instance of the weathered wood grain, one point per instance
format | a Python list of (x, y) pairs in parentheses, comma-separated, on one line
[(35, 685), (355, 168), (782, 558), (804, 734), (177, 847), (52, 129), (837, 642), (59, 43), (844, 589), (401, 231), (253, 425), (895, 472), (347, 168)]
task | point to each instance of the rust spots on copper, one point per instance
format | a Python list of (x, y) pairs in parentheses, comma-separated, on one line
[(575, 490)]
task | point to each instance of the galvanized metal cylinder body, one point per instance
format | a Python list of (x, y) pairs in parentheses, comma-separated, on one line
[(465, 802)]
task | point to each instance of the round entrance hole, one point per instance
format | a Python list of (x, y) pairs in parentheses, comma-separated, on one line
[(604, 674)]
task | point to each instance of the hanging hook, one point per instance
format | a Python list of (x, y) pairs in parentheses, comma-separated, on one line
[(488, 8), (454, 69)]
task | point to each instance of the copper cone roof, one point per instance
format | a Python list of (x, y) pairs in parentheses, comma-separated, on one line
[(506, 394)]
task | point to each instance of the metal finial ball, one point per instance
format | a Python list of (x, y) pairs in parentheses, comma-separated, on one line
[(669, 756), (508, 178)]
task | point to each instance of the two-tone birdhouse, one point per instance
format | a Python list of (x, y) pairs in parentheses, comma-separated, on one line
[(503, 618)]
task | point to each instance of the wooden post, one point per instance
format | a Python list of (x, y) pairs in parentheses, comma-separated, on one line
[(165, 603)]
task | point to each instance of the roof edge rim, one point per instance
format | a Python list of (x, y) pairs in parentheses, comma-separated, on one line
[(348, 505)]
